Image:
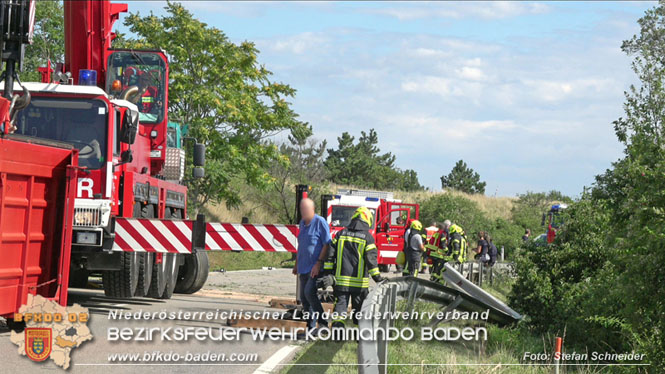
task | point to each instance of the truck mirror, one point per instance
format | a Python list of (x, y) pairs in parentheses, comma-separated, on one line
[(126, 156), (130, 126), (198, 172), (199, 154)]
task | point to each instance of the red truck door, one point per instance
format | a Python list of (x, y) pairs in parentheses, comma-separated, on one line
[(390, 234)]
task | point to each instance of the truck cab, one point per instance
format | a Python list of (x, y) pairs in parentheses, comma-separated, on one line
[(391, 217)]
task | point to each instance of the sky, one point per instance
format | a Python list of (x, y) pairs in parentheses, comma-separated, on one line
[(524, 92)]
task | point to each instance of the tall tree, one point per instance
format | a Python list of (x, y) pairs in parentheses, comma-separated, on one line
[(305, 157), (463, 178), (224, 94), (637, 192), (363, 165), (48, 41)]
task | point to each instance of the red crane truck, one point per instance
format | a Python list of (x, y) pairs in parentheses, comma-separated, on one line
[(111, 105), (129, 221)]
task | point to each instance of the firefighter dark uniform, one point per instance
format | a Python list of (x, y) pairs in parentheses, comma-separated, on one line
[(352, 259), (437, 248), (457, 244), (413, 255)]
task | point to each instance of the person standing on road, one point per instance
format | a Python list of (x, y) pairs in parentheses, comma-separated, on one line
[(415, 247), (313, 243), (437, 250), (352, 259)]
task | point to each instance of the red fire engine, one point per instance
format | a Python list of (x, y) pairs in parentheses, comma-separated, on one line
[(391, 218)]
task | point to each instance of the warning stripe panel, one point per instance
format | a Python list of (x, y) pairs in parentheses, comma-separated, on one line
[(247, 237), (175, 236)]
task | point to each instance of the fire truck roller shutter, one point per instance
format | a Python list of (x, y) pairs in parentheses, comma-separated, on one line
[(146, 259)]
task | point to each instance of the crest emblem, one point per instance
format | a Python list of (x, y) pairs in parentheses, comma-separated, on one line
[(38, 343)]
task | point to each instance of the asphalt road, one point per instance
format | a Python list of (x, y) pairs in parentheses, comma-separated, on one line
[(92, 357)]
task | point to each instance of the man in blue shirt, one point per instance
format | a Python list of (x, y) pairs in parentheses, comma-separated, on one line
[(313, 240)]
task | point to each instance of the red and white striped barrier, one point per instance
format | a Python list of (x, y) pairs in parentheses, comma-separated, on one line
[(141, 235)]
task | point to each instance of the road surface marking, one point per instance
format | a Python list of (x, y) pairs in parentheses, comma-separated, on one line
[(271, 364)]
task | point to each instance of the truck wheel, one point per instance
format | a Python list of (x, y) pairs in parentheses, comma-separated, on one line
[(158, 277), (193, 273), (146, 259), (78, 278), (171, 268), (122, 283)]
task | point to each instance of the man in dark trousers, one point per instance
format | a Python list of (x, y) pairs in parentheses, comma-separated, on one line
[(352, 258), (313, 240), (414, 249)]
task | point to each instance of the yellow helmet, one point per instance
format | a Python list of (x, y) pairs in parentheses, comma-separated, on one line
[(416, 225), (364, 214), (400, 259)]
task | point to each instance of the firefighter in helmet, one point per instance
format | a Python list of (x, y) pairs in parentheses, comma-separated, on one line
[(457, 243), (413, 249), (352, 259), (437, 248)]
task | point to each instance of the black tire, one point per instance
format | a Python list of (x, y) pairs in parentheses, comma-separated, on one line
[(384, 268), (146, 259), (171, 260), (193, 273), (78, 278), (122, 283), (158, 283)]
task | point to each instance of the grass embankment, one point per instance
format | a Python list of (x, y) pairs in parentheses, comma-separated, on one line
[(503, 349)]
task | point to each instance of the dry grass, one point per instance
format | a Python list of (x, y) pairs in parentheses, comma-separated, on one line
[(494, 207), (254, 211)]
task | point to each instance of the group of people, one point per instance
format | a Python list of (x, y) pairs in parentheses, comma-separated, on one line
[(447, 244), (345, 262), (348, 260)]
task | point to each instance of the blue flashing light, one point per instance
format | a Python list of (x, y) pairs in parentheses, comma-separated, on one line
[(371, 199), (338, 196), (87, 77)]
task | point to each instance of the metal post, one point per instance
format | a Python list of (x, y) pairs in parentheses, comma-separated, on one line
[(298, 301), (557, 355), (502, 254), (481, 269)]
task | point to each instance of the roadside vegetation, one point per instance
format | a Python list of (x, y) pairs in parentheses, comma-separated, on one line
[(600, 284)]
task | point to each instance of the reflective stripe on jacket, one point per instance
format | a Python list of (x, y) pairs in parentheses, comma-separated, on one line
[(352, 258)]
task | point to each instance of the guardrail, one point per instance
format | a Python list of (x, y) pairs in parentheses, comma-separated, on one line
[(373, 353)]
